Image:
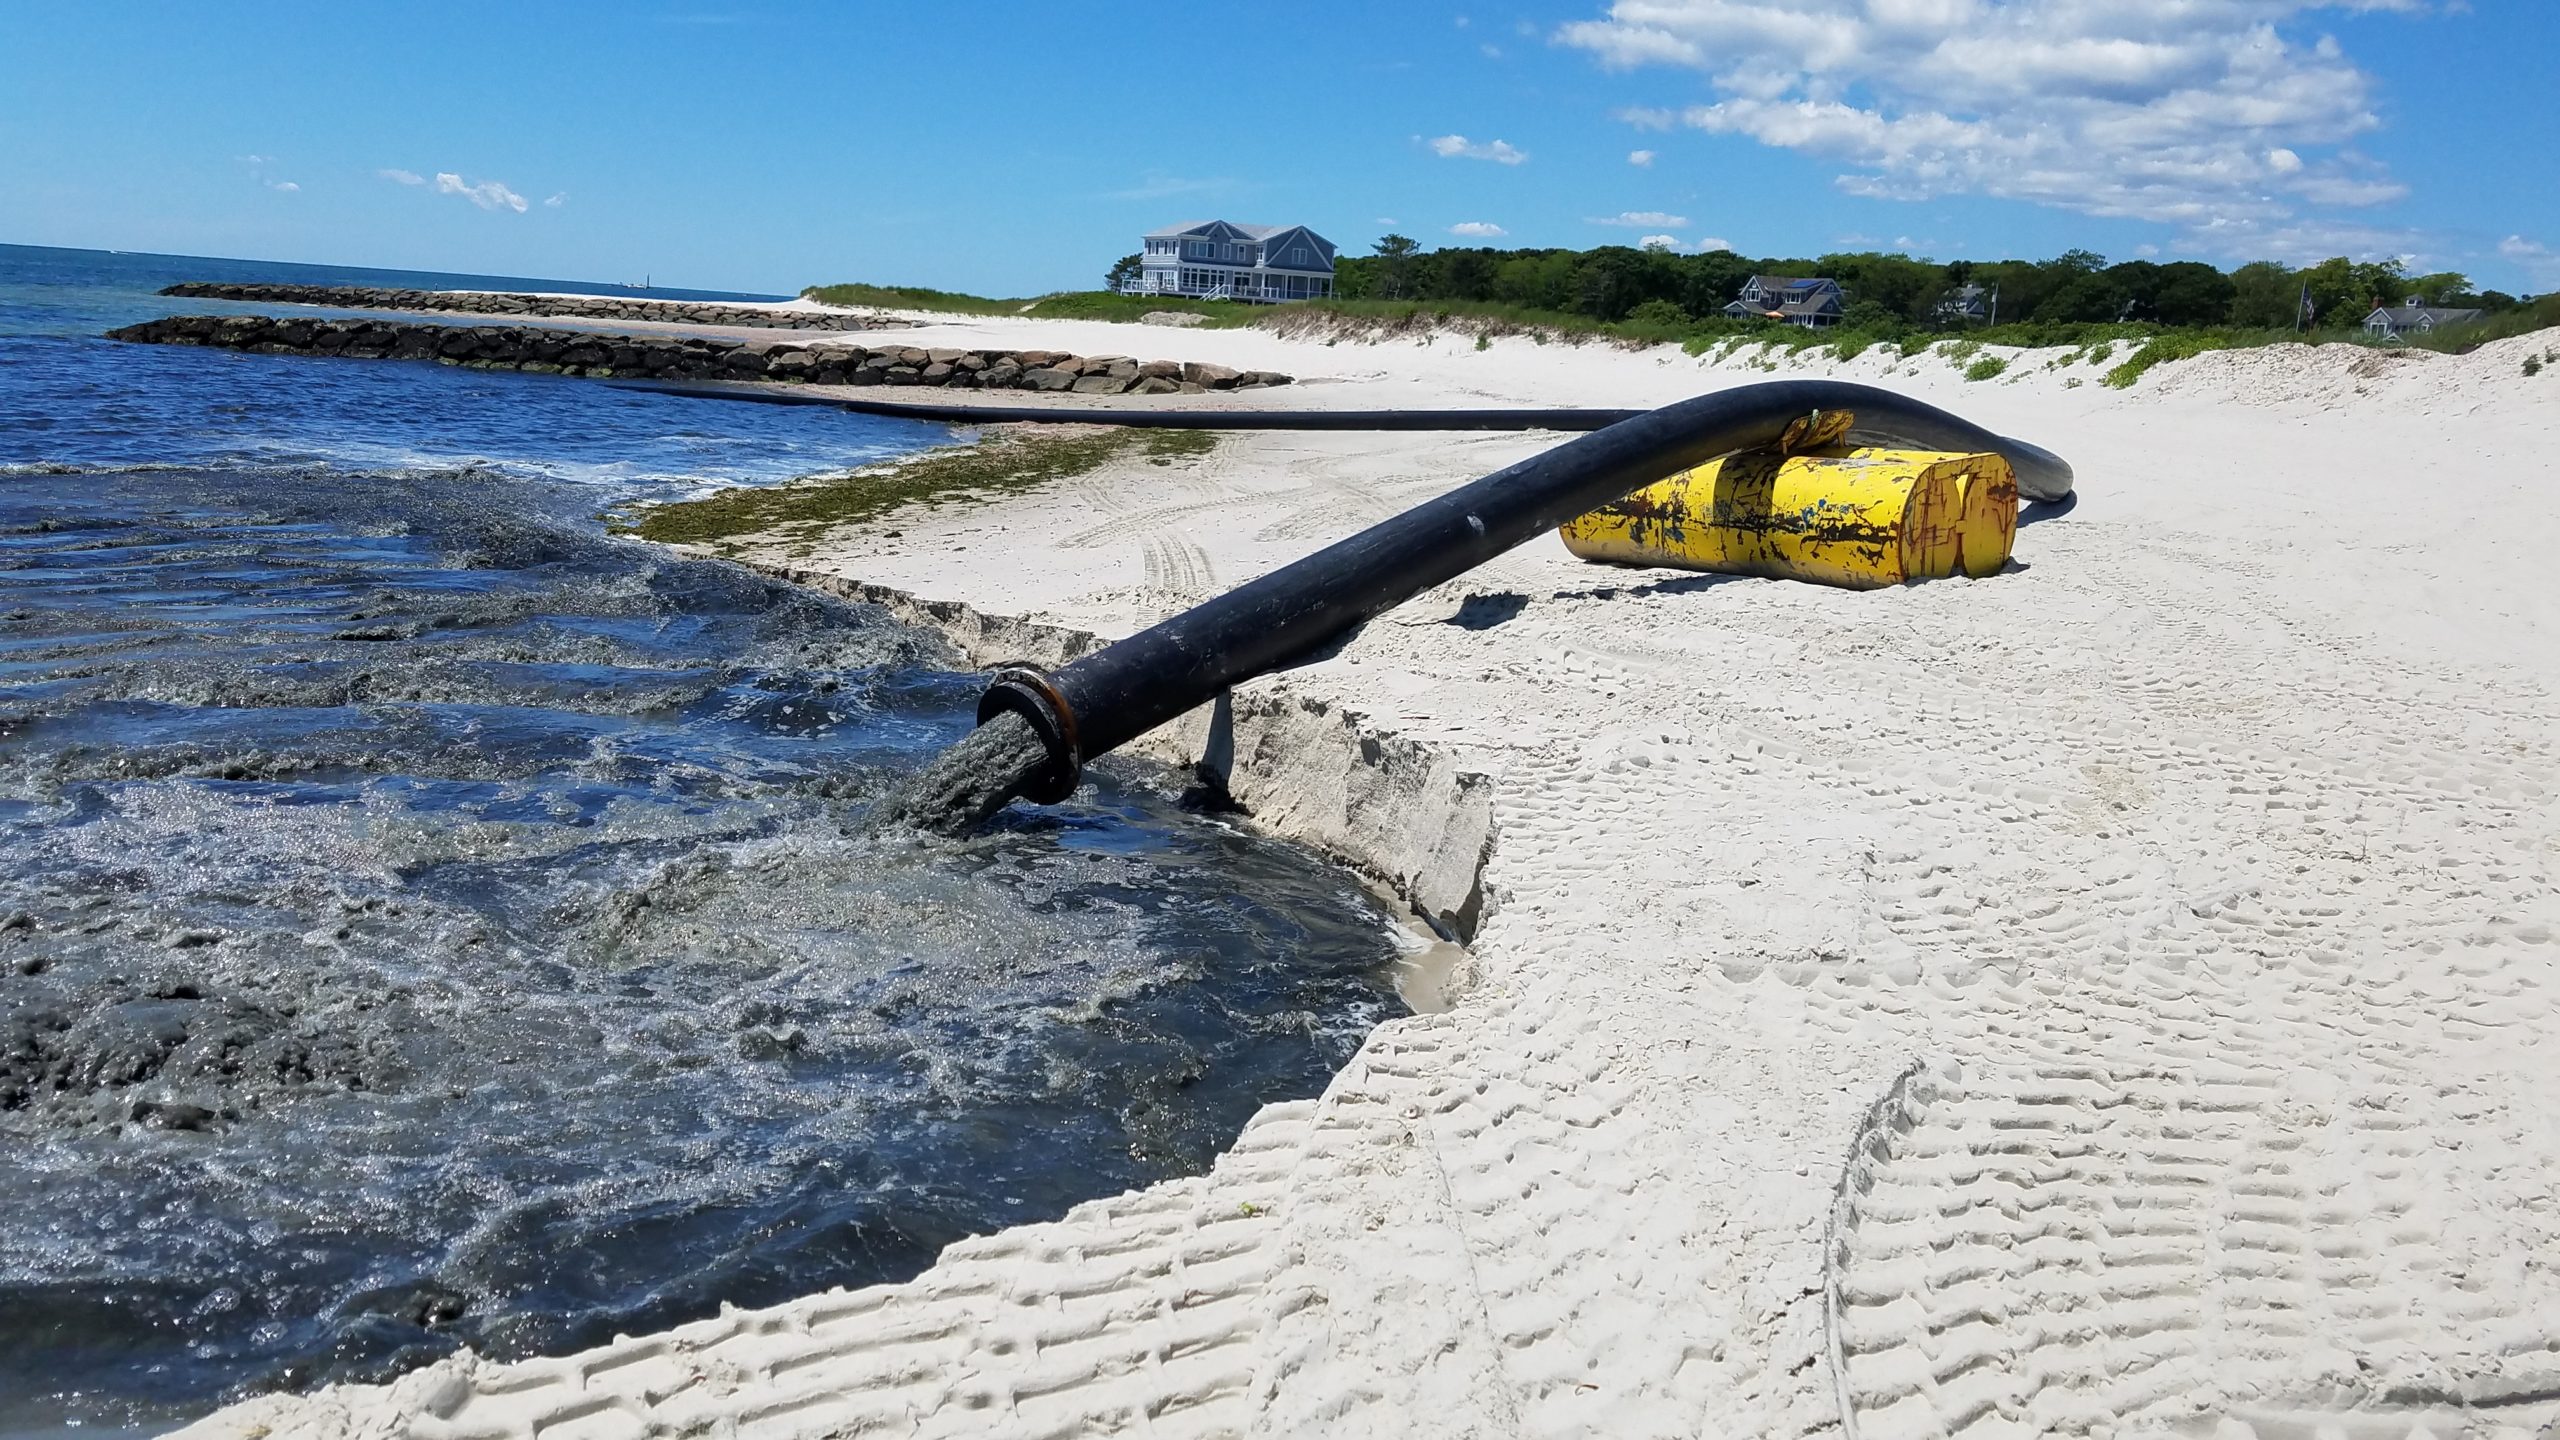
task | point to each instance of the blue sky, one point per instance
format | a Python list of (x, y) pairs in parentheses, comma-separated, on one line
[(1018, 148)]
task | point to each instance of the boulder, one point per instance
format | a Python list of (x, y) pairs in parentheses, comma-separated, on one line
[(1046, 378), (938, 373), (1102, 384), (1159, 370), (1157, 385), (1215, 377), (1256, 379)]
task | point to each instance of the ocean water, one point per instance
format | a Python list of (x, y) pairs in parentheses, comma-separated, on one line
[(426, 920)]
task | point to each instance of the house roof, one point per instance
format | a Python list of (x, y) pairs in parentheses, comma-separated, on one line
[(1807, 305), (1267, 236), (1789, 282), (2397, 316), (1204, 227)]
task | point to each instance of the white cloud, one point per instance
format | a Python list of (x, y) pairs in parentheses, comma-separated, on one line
[(1457, 147), (1478, 230), (1387, 220), (1714, 242), (402, 177), (2187, 112), (2306, 241), (1641, 159), (556, 201), (258, 171), (1640, 220), (1658, 242), (487, 194), (2541, 263)]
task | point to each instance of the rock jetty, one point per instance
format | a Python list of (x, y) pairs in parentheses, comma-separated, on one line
[(607, 355), (581, 307)]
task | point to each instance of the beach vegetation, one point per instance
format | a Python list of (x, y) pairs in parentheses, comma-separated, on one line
[(2127, 318), (2161, 349), (1989, 367), (1005, 461), (1064, 305)]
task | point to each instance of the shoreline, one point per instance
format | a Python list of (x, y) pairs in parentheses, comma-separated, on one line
[(2105, 992)]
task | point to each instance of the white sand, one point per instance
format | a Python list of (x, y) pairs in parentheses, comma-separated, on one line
[(2117, 996)]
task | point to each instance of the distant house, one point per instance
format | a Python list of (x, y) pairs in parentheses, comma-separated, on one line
[(2392, 322), (1813, 303), (1221, 260), (1965, 305)]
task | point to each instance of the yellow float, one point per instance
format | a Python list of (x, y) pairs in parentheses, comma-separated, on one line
[(1852, 516)]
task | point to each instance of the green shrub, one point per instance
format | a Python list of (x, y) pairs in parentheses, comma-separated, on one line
[(2160, 350), (2532, 365), (1659, 312), (1989, 367), (1959, 351)]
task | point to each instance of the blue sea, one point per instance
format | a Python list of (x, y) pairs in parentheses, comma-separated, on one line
[(427, 920)]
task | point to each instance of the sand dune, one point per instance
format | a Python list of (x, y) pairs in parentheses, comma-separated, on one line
[(2111, 997)]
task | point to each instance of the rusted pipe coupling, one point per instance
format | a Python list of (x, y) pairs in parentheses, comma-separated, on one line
[(1026, 692)]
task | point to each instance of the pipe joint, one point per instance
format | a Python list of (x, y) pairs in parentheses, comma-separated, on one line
[(1024, 691)]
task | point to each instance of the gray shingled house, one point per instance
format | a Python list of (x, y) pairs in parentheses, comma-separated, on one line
[(1221, 260), (2391, 322), (1813, 303)]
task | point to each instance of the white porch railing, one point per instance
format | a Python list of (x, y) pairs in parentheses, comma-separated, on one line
[(1161, 284)]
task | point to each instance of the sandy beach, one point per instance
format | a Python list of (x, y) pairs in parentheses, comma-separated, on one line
[(2109, 997)]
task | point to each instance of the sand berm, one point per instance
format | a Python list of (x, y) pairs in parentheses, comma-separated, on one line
[(2111, 997)]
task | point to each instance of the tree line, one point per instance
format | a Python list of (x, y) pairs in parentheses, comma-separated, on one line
[(1884, 292)]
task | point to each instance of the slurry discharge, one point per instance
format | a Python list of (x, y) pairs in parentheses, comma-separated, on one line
[(426, 921)]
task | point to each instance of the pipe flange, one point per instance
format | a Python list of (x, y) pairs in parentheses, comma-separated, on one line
[(1024, 691)]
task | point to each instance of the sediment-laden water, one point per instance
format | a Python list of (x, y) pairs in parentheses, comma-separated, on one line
[(426, 921)]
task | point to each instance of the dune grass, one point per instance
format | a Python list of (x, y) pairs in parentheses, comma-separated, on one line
[(1064, 305), (2142, 346)]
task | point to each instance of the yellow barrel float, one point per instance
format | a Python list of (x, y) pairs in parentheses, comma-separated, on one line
[(1857, 517)]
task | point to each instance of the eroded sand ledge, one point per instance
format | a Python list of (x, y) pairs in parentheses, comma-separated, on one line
[(2106, 997)]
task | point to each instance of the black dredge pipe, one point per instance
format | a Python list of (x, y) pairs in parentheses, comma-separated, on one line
[(1094, 705), (1150, 418), (2041, 475)]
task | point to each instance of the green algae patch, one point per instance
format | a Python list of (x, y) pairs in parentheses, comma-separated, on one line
[(1003, 462)]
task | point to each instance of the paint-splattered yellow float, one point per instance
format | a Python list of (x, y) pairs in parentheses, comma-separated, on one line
[(1857, 517)]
